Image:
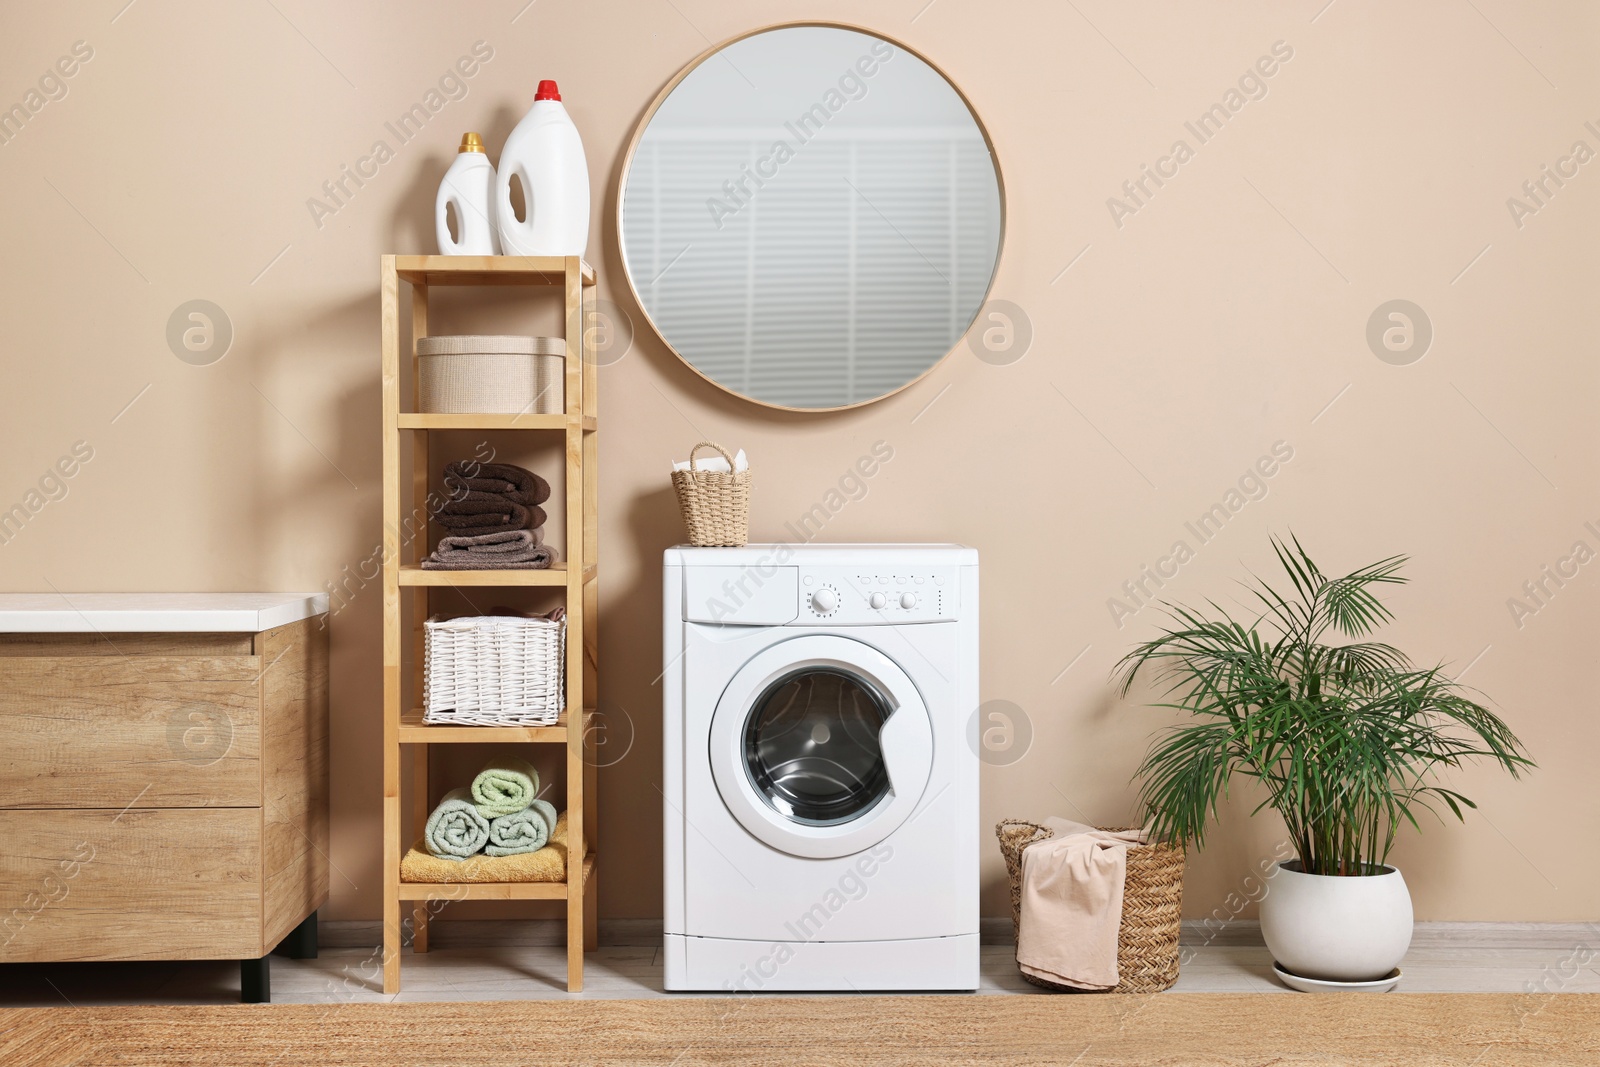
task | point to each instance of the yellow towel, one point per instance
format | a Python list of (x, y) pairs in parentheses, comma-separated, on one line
[(549, 864)]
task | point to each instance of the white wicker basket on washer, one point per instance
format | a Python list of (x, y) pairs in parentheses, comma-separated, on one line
[(494, 670)]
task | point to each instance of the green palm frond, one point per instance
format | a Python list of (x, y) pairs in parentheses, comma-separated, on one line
[(1345, 738), (1353, 606)]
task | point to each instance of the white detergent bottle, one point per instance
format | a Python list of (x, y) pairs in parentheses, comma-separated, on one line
[(468, 191), (545, 155)]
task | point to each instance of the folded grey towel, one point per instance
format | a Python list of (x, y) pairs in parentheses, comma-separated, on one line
[(502, 550), (455, 830), (517, 484), (506, 784), (499, 541), (522, 831)]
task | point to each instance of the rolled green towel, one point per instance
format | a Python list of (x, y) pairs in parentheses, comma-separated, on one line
[(505, 786), (455, 829), (522, 831)]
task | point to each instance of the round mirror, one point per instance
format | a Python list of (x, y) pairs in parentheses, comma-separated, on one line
[(810, 216)]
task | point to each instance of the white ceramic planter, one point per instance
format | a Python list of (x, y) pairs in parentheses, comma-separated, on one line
[(1335, 928)]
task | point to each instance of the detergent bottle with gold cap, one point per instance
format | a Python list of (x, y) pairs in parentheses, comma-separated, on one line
[(544, 156), (467, 193)]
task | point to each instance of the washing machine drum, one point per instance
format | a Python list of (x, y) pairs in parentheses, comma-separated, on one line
[(821, 746)]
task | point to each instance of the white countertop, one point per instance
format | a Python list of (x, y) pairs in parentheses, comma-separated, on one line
[(38, 613)]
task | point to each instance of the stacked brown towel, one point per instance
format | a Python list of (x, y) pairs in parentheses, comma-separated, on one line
[(481, 513), (511, 482), (493, 519)]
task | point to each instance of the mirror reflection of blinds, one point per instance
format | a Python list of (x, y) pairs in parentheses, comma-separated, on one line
[(849, 273)]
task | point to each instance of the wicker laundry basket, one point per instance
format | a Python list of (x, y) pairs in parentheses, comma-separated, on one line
[(494, 670), (1152, 906), (715, 504), (490, 374)]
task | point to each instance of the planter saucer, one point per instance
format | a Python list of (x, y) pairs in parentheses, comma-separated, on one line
[(1320, 985)]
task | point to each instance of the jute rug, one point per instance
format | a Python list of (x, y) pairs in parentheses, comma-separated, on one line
[(1182, 1030)]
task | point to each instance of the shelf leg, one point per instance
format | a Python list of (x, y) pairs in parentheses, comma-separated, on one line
[(575, 927), (419, 787), (577, 631), (392, 816), (591, 913), (391, 945), (421, 472)]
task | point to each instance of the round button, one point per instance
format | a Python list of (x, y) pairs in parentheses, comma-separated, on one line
[(878, 601), (908, 600), (920, 579), (901, 580), (823, 601), (810, 580)]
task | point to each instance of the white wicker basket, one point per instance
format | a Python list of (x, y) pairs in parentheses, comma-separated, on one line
[(494, 670), (484, 374)]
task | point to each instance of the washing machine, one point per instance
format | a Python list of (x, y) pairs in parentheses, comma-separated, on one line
[(821, 797)]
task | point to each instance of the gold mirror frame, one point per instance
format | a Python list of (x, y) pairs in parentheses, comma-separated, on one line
[(690, 67)]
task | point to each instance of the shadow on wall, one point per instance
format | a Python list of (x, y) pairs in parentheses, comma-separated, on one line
[(411, 227), (339, 492), (411, 222), (349, 468), (630, 643)]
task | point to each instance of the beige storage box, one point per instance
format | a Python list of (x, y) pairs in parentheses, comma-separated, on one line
[(492, 374)]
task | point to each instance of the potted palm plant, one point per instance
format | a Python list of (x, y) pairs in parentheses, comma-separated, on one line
[(1347, 739)]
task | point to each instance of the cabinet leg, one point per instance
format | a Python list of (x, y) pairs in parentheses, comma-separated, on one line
[(255, 981), (301, 942)]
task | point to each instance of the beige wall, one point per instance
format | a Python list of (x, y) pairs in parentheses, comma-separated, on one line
[(1223, 316)]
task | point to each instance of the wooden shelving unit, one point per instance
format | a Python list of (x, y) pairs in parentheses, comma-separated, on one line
[(403, 727)]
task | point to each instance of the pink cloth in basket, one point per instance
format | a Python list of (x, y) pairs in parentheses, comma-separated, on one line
[(1072, 904)]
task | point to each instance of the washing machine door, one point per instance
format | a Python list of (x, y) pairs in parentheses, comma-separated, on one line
[(821, 746)]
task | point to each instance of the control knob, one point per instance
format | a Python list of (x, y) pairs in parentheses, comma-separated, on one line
[(878, 601), (908, 600), (824, 600)]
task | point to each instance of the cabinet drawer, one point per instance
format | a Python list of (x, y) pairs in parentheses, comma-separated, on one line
[(159, 884), (109, 731)]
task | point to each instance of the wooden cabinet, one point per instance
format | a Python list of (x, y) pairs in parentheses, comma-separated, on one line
[(141, 884), (95, 731), (163, 795)]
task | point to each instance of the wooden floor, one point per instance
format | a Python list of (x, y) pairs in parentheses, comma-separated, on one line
[(1176, 1030), (475, 962)]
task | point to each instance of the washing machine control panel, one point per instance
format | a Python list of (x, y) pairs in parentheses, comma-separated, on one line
[(877, 595)]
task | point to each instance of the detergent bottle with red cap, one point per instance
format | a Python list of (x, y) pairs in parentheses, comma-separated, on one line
[(544, 155)]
